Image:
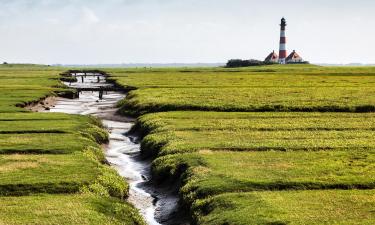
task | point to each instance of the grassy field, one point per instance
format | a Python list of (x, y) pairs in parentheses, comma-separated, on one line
[(52, 167), (45, 173), (271, 88), (221, 154), (48, 133), (291, 207), (181, 132), (287, 145), (21, 84), (294, 144), (66, 209)]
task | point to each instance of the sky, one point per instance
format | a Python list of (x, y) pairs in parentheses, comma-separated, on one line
[(183, 31)]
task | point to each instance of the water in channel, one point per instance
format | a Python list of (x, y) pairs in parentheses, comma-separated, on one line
[(122, 151)]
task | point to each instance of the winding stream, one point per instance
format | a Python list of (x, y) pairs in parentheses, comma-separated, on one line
[(157, 206)]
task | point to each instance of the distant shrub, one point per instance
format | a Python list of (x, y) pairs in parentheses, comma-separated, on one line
[(233, 63)]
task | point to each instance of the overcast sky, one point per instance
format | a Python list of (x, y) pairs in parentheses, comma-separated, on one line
[(184, 31)]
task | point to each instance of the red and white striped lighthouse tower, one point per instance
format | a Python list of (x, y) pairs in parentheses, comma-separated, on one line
[(282, 52)]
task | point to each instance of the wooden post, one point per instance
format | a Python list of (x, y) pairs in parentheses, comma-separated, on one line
[(101, 93)]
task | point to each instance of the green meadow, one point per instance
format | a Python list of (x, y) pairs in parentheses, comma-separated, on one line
[(190, 131), (66, 209), (225, 154), (291, 207), (260, 145), (271, 88), (48, 133), (21, 84), (52, 166)]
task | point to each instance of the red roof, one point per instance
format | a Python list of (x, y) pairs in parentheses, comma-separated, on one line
[(293, 55), (271, 57)]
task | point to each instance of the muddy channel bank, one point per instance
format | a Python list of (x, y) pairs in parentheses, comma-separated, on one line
[(158, 205)]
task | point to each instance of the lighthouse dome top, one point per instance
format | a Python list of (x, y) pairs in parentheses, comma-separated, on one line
[(283, 22)]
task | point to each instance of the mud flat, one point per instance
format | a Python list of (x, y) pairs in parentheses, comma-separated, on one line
[(43, 105)]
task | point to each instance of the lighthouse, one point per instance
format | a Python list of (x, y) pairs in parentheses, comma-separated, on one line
[(283, 58), (282, 49)]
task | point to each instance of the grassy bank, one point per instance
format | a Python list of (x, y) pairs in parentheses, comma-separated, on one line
[(48, 133), (66, 209), (234, 165), (23, 84), (218, 155), (308, 161), (278, 138), (294, 144), (288, 149), (292, 207), (270, 88), (52, 168), (182, 132), (28, 174)]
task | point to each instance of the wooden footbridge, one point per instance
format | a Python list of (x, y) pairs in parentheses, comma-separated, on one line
[(99, 87), (77, 73)]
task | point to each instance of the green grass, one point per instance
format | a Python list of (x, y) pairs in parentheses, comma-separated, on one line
[(223, 172), (231, 165), (289, 207), (330, 99), (69, 173), (265, 76), (206, 121), (183, 132), (46, 122), (66, 209), (269, 88), (226, 153), (217, 156), (316, 149), (48, 133), (25, 174), (22, 84), (53, 153), (42, 143)]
